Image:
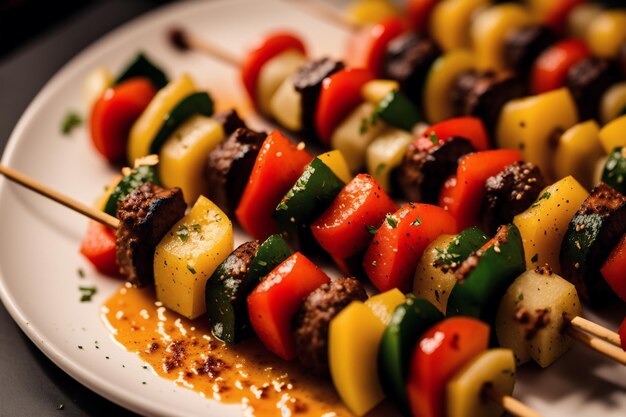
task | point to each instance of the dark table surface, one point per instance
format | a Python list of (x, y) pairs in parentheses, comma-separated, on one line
[(30, 384)]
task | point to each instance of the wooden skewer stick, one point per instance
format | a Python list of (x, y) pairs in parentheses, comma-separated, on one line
[(593, 329), (46, 191), (185, 41), (597, 344), (510, 404)]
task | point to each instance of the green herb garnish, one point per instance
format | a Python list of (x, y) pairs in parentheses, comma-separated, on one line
[(182, 233), (391, 221), (544, 196), (70, 121), (433, 138), (191, 269), (371, 229), (417, 222), (87, 293)]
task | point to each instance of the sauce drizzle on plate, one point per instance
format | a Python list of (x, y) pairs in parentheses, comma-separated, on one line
[(185, 352)]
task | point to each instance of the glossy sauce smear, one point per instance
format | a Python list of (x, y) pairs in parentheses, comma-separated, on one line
[(185, 352)]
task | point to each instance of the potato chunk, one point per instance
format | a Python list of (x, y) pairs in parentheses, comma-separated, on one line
[(530, 316), (430, 282), (187, 256), (464, 398)]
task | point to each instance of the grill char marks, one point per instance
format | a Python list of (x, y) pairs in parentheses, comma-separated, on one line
[(229, 166), (146, 215)]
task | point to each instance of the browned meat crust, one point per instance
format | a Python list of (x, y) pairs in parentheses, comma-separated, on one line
[(312, 321), (229, 166), (146, 215)]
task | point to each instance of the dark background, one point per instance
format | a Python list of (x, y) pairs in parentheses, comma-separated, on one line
[(37, 37)]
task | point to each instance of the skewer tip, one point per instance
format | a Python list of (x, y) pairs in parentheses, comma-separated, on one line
[(178, 38)]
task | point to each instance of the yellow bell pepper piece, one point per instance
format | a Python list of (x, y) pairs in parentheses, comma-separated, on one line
[(337, 164), (529, 124), (383, 304), (183, 155), (578, 149), (443, 72), (543, 225), (148, 124), (607, 33), (613, 102), (187, 256), (450, 22), (353, 339), (374, 91), (464, 395), (363, 12), (386, 153), (613, 135), (489, 31)]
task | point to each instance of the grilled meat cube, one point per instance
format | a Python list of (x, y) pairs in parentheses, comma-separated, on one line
[(229, 167), (483, 94), (407, 60), (588, 80), (509, 193), (230, 120), (312, 320), (422, 173), (308, 82), (146, 215), (523, 46)]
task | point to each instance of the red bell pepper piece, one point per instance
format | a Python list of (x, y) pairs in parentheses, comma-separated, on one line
[(614, 267), (277, 167), (441, 352), (114, 113), (465, 198), (556, 18), (274, 44), (341, 93), (622, 334), (368, 46), (392, 256), (550, 68), (98, 247), (274, 302), (418, 14), (344, 228), (470, 128)]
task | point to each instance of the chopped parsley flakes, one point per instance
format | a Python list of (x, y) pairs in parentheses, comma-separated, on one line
[(391, 221), (544, 196), (70, 121), (182, 233), (86, 293)]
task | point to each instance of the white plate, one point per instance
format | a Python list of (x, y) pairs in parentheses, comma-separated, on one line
[(39, 239)]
